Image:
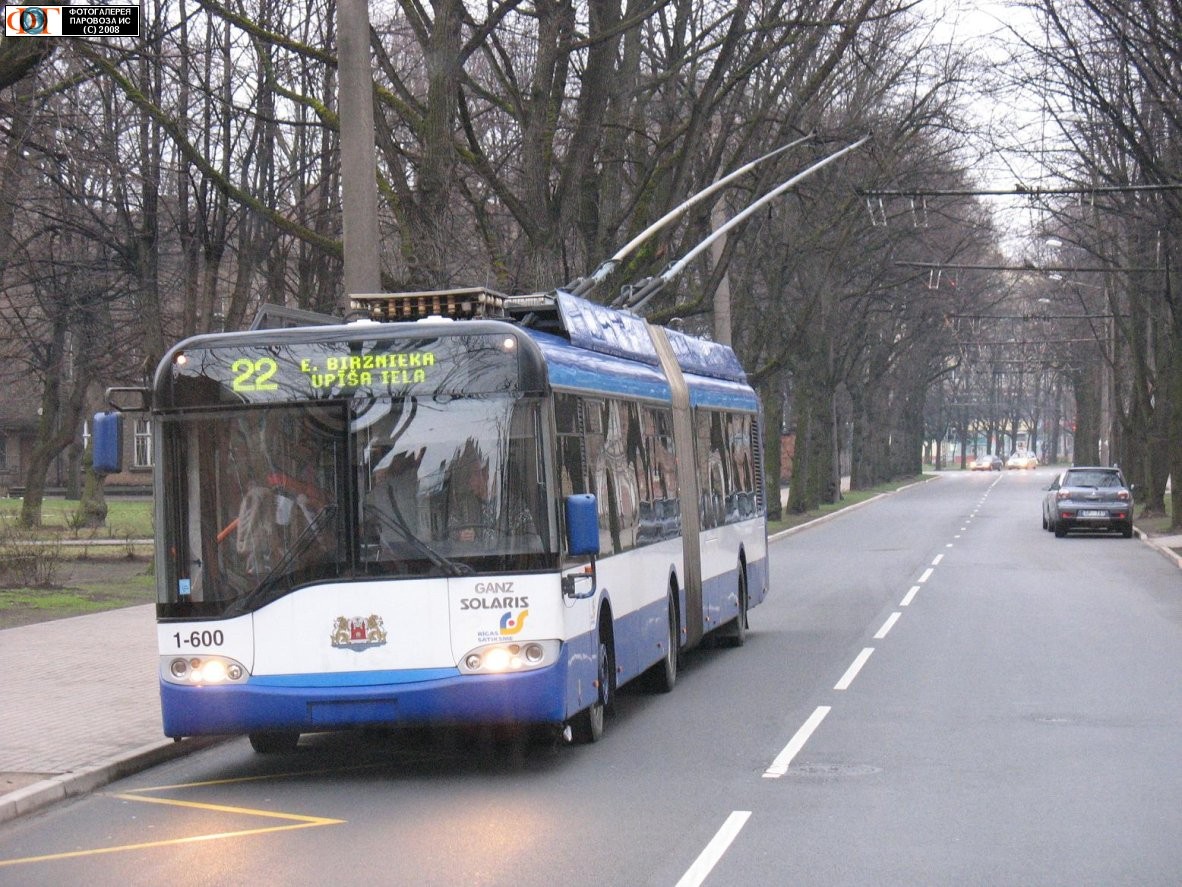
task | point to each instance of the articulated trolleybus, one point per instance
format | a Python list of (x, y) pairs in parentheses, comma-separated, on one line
[(465, 509)]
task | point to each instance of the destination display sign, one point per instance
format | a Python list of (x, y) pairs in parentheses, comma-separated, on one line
[(247, 371)]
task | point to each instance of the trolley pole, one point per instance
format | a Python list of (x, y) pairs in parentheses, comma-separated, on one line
[(358, 164)]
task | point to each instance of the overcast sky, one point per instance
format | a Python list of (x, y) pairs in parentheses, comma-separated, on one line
[(1008, 118)]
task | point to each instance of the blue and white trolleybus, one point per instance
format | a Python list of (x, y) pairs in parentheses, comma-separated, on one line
[(464, 509)]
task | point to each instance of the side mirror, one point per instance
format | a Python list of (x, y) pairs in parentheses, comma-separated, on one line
[(107, 443), (582, 538), (582, 525)]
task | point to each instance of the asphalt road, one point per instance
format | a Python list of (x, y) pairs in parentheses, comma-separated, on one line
[(936, 692)]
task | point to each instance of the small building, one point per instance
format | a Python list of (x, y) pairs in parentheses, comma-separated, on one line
[(18, 436), (18, 431)]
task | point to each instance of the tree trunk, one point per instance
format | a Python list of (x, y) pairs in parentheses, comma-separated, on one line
[(92, 509), (1086, 387), (814, 469), (773, 418), (1175, 447), (12, 167)]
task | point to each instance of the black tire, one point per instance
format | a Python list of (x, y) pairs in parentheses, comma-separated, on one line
[(274, 742), (663, 675), (1045, 525), (734, 634), (1060, 530), (587, 726), (1127, 530)]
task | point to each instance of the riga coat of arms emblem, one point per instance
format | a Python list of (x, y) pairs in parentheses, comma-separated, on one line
[(360, 631)]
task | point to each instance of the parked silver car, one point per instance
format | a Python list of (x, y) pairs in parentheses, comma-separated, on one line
[(1088, 498)]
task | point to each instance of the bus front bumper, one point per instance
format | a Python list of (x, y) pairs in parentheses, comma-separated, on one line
[(310, 703)]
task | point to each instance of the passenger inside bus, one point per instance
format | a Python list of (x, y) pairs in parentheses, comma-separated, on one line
[(284, 511)]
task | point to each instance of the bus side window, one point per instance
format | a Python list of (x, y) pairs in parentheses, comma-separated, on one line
[(623, 447), (595, 425), (572, 471), (711, 467)]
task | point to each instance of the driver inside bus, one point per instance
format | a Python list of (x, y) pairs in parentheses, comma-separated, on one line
[(473, 514)]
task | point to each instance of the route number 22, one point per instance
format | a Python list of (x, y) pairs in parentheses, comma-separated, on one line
[(254, 375)]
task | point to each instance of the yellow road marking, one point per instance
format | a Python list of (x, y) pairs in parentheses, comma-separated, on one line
[(265, 776), (298, 821), (223, 808)]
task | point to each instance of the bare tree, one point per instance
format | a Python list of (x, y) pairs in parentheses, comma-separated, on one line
[(867, 331), (518, 145), (1113, 75)]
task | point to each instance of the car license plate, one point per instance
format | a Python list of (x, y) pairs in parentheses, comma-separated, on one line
[(1092, 512)]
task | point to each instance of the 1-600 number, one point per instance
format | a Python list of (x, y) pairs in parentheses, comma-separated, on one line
[(199, 639)]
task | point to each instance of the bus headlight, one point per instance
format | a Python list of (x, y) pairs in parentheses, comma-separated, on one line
[(509, 658), (202, 670)]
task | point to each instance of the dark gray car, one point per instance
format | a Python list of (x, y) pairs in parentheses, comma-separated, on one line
[(1088, 498)]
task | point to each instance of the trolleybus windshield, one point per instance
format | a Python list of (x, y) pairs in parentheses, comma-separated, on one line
[(392, 480)]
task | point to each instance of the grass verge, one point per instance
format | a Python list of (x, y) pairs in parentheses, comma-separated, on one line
[(126, 519), (94, 584), (848, 498), (60, 569)]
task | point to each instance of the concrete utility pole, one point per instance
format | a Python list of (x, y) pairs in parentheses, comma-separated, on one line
[(358, 164), (722, 295)]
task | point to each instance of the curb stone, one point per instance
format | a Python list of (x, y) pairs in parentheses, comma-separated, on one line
[(49, 791)]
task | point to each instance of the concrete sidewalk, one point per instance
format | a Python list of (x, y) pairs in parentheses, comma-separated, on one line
[(1169, 546), (80, 704)]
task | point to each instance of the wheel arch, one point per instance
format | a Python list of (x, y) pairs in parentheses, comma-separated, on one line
[(744, 586), (605, 625), (677, 591)]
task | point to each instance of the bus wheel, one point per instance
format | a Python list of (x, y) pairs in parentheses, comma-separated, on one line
[(663, 675), (274, 742), (735, 634), (587, 725)]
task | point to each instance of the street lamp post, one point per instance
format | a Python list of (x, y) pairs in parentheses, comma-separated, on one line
[(358, 163)]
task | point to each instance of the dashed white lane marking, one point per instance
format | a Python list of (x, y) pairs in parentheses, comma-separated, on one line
[(734, 823), (852, 671), (888, 625), (718, 845), (779, 766)]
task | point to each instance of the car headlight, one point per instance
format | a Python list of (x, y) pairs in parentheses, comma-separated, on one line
[(202, 671), (509, 658)]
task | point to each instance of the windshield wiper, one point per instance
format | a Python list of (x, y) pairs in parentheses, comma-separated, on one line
[(279, 571)]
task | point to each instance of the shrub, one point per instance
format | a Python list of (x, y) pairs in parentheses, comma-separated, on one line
[(26, 562)]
